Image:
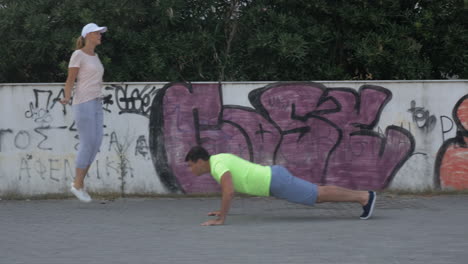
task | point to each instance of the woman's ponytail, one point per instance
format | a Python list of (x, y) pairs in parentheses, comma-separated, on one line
[(80, 42)]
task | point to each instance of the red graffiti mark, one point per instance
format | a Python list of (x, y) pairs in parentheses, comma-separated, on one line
[(454, 169), (462, 114), (452, 160)]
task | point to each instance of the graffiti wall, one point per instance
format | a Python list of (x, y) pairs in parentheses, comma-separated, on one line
[(360, 135), (451, 168)]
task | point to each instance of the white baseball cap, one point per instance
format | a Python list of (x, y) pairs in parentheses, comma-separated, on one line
[(91, 27)]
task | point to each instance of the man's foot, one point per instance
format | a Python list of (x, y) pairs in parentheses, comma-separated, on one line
[(80, 194), (369, 207)]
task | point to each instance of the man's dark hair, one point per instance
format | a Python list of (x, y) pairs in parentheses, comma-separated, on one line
[(197, 153)]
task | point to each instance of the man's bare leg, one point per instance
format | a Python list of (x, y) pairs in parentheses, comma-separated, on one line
[(339, 194)]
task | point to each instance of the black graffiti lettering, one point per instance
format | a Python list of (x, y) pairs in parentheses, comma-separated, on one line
[(141, 147), (66, 165), (24, 168), (122, 98), (52, 168), (109, 165), (40, 169), (59, 96), (77, 144), (44, 137), (39, 112), (22, 139), (136, 102), (77, 137), (261, 131), (39, 115), (3, 131), (114, 140), (106, 101), (37, 94), (72, 127), (29, 113), (97, 170), (445, 130), (422, 117)]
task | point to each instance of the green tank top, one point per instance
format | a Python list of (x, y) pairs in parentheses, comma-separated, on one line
[(247, 177)]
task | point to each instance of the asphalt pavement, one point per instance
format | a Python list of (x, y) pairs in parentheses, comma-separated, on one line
[(404, 229)]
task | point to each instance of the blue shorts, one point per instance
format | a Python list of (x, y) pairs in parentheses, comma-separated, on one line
[(293, 189)]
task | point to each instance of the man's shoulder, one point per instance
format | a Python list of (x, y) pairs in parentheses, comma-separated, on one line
[(218, 165), (222, 155)]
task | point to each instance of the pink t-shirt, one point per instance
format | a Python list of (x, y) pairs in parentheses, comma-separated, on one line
[(89, 79)]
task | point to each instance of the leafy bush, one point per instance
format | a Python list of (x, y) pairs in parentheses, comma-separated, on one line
[(239, 40)]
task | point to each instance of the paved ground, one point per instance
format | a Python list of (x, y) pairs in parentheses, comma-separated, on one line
[(259, 230)]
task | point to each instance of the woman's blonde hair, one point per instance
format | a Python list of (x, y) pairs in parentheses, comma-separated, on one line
[(80, 43)]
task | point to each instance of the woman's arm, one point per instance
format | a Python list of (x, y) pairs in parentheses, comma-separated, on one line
[(72, 73)]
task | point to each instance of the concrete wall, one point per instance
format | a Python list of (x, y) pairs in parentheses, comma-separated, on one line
[(387, 134)]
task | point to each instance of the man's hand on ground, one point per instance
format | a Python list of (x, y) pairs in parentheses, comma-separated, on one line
[(227, 189)]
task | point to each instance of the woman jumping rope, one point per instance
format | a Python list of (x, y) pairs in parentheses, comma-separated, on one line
[(86, 68)]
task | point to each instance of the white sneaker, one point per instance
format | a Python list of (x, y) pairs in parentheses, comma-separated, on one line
[(80, 194)]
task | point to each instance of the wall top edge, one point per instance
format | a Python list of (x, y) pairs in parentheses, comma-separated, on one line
[(254, 82)]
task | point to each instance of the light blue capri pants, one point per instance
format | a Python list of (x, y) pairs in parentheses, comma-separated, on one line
[(89, 122), (293, 189)]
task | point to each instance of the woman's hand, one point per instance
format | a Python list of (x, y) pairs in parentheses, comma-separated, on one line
[(64, 101)]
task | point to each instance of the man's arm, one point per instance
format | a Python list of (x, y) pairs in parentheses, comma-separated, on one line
[(227, 189)]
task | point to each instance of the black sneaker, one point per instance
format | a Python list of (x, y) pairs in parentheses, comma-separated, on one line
[(369, 207)]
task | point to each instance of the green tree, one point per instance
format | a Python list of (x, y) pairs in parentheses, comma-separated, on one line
[(239, 40)]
